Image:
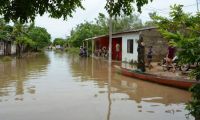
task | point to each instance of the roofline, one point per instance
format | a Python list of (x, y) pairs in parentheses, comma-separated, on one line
[(96, 37), (133, 31), (124, 32)]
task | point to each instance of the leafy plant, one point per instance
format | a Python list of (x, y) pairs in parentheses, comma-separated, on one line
[(183, 30), (194, 105), (25, 11)]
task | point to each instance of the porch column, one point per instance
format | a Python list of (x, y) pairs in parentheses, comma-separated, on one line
[(87, 46), (83, 43), (92, 47)]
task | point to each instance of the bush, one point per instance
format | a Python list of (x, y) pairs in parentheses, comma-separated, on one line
[(72, 50), (6, 58), (194, 105)]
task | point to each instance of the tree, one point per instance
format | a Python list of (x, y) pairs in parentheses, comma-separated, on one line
[(102, 22), (83, 31), (117, 7), (26, 10), (59, 41), (40, 37), (183, 30), (5, 36), (30, 38), (125, 23), (100, 27), (22, 40)]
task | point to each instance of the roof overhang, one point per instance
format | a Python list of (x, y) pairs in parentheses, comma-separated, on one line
[(121, 33)]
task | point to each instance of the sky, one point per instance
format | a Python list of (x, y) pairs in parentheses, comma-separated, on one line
[(59, 28)]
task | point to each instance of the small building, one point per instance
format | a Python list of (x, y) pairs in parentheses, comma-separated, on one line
[(7, 48), (127, 41), (1, 48)]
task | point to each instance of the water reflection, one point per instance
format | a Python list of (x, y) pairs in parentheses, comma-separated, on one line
[(136, 89), (14, 75), (148, 97), (62, 86)]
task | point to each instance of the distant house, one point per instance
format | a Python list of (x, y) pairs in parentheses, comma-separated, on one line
[(1, 48), (58, 46), (7, 48), (128, 43)]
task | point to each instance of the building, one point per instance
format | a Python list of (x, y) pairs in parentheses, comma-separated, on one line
[(7, 48), (128, 44)]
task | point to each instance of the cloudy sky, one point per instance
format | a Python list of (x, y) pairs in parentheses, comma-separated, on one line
[(60, 28)]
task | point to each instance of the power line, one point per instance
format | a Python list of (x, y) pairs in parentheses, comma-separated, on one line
[(166, 10), (184, 6)]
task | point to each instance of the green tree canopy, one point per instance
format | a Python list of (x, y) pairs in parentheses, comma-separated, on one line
[(40, 36), (25, 10), (5, 30), (83, 31), (100, 27), (125, 23), (183, 30), (59, 41)]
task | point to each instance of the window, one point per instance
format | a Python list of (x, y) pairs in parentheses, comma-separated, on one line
[(130, 46)]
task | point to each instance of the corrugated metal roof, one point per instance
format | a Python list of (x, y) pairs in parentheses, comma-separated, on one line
[(124, 32)]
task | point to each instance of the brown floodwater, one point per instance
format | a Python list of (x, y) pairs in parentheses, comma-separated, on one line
[(59, 86)]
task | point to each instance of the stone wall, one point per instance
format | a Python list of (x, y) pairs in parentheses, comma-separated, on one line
[(153, 38)]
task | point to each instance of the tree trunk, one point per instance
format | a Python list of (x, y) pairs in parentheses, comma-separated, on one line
[(197, 118), (19, 50), (7, 48)]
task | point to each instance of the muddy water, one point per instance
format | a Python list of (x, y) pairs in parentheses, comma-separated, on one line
[(58, 86)]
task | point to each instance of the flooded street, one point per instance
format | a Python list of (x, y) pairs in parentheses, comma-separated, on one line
[(59, 86)]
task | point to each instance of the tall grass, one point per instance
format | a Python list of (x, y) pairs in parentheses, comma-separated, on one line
[(72, 50)]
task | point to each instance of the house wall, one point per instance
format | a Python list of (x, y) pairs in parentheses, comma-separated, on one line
[(153, 38), (1, 48), (102, 42), (13, 49), (129, 56)]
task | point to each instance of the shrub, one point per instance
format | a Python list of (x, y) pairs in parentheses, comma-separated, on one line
[(6, 58)]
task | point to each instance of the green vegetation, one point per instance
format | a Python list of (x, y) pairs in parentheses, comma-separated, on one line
[(183, 30), (30, 38), (194, 105), (25, 11), (27, 38), (5, 34), (40, 37), (100, 27), (73, 50), (6, 59), (59, 41)]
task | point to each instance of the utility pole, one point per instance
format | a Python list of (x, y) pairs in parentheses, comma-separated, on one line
[(110, 35), (110, 39), (197, 5), (109, 63)]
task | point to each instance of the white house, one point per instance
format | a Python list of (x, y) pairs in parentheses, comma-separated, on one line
[(128, 43), (9, 47), (1, 48)]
